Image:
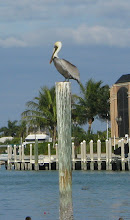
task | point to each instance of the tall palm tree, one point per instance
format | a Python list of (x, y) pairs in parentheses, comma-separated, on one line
[(11, 129), (42, 111), (94, 101)]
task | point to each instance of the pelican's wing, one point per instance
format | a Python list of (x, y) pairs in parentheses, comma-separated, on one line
[(73, 71)]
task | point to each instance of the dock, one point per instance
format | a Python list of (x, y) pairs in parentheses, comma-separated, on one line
[(83, 161)]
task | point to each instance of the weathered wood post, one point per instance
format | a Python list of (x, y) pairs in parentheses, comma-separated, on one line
[(91, 155), (15, 158), (15, 155), (57, 164), (73, 156), (20, 153), (122, 155), (18, 164), (99, 154), (129, 155), (23, 153), (22, 164), (36, 154), (84, 157), (9, 149), (110, 154), (49, 156), (107, 155), (63, 104), (30, 164)]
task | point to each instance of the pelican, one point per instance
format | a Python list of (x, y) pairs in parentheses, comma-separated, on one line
[(64, 67)]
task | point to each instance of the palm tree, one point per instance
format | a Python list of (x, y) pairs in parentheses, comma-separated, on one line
[(42, 111), (11, 129), (94, 101), (22, 129)]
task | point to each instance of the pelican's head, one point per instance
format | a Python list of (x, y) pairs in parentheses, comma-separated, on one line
[(57, 47)]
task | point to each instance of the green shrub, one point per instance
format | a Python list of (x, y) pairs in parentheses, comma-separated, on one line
[(3, 150), (42, 149)]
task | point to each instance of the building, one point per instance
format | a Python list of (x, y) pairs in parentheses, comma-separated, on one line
[(120, 107), (3, 139), (41, 137)]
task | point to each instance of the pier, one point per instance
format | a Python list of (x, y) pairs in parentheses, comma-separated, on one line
[(82, 161)]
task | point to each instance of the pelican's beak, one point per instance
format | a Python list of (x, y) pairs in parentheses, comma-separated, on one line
[(54, 50), (52, 57)]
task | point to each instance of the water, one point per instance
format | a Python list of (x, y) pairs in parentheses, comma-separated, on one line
[(96, 195)]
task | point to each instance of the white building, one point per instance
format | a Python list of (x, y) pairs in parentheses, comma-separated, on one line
[(3, 139), (40, 137)]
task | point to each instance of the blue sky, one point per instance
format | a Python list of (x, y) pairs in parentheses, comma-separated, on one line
[(95, 36)]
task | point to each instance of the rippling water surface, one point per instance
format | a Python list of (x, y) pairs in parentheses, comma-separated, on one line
[(96, 195)]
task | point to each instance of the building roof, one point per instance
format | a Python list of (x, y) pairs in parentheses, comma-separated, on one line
[(32, 137), (123, 79)]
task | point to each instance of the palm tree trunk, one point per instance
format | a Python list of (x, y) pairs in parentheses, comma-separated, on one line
[(54, 136), (90, 121), (89, 128)]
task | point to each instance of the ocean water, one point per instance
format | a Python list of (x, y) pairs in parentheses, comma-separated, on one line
[(97, 195)]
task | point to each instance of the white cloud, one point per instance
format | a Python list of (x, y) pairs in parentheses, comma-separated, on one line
[(40, 22), (100, 35), (83, 35), (12, 42), (14, 10)]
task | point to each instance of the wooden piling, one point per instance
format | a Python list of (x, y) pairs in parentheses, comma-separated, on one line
[(107, 156), (30, 153), (99, 154), (110, 154), (63, 104), (26, 166), (22, 166), (36, 155), (57, 164), (23, 163), (30, 164), (49, 156), (15, 156), (73, 156), (129, 155), (122, 155), (84, 156), (20, 151), (91, 155), (9, 150)]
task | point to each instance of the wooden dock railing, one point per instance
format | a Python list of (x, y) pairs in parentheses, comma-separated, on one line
[(83, 160)]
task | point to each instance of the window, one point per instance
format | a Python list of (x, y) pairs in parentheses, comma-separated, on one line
[(122, 106)]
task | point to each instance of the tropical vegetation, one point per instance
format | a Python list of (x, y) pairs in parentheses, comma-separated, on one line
[(14, 129), (40, 113), (92, 103)]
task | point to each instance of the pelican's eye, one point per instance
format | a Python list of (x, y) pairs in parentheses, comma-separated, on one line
[(55, 47)]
